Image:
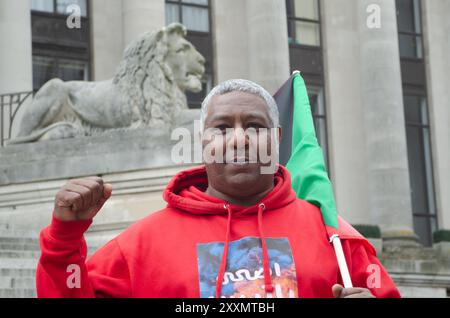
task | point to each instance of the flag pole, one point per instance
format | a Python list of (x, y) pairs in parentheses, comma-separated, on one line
[(342, 263)]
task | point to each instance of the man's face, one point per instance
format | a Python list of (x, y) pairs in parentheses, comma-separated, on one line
[(239, 119)]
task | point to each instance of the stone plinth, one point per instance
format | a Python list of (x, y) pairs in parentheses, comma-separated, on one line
[(114, 151)]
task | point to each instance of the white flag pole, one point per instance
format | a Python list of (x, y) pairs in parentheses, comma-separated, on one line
[(343, 268)]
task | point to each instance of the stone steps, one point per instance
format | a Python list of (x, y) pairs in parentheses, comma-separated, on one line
[(18, 272), (17, 293), (19, 246), (17, 263), (7, 282), (19, 254), (18, 233), (22, 240)]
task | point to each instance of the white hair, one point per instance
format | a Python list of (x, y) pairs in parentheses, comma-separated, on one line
[(241, 85)]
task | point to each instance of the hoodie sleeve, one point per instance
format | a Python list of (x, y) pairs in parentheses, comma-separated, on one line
[(62, 269), (366, 270)]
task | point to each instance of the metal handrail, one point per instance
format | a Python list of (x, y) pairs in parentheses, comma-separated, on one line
[(9, 106)]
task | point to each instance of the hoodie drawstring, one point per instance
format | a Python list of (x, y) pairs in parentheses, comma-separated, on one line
[(223, 263), (268, 287)]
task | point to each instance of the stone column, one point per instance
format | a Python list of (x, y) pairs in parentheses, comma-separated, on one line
[(230, 39), (268, 48), (16, 70), (140, 16), (347, 149), (107, 46), (15, 47), (382, 104), (436, 36)]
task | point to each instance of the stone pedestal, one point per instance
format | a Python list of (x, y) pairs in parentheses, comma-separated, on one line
[(418, 271), (138, 165)]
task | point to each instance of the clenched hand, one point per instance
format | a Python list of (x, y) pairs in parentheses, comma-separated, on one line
[(81, 199)]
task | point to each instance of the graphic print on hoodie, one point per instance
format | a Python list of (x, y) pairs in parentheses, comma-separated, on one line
[(244, 275)]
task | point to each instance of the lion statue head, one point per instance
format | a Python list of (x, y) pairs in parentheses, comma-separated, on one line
[(156, 71)]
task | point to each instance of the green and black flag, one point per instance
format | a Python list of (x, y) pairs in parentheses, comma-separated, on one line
[(300, 151)]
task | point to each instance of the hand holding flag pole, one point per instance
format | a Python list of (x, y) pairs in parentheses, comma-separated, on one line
[(306, 163)]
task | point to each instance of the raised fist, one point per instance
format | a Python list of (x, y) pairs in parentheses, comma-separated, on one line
[(81, 199)]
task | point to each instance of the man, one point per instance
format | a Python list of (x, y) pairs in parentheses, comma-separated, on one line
[(228, 230)]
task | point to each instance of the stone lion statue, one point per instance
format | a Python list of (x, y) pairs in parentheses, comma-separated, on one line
[(148, 90)]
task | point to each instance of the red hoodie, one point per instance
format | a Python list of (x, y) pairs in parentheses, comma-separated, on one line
[(201, 246)]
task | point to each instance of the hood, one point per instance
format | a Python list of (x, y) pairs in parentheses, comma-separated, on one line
[(186, 192)]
